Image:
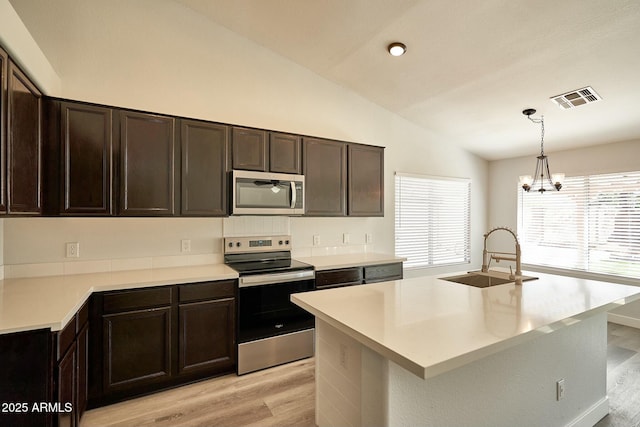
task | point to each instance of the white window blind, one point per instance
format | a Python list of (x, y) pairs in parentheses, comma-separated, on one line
[(592, 225), (432, 221)]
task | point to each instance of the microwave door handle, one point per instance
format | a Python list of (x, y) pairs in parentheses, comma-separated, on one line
[(293, 194)]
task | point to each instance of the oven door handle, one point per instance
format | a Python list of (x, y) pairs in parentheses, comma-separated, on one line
[(268, 279)]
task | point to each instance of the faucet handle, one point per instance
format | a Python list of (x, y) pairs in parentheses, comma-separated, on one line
[(511, 275)]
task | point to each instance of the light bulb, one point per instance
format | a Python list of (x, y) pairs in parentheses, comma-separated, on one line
[(397, 49)]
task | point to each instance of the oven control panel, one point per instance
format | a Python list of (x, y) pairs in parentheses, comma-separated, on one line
[(256, 244)]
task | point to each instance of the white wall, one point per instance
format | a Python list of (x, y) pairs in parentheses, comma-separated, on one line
[(159, 56), (606, 158)]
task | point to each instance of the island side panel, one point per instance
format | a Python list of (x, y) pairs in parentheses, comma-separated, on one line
[(514, 387), (350, 381), (355, 386)]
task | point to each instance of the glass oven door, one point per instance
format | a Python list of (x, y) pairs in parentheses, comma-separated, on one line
[(265, 309)]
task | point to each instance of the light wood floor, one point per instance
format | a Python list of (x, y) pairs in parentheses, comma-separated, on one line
[(281, 396), (285, 396), (623, 377)]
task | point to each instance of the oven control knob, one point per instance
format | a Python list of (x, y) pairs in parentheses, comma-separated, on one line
[(286, 242), (238, 244), (280, 242), (230, 244)]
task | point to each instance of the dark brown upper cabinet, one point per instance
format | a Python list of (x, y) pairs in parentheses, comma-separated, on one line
[(24, 144), (258, 150), (285, 153), (249, 149), (204, 168), (87, 159), (325, 171), (4, 71), (147, 164), (366, 180)]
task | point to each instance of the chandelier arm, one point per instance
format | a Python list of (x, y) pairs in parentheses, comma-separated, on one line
[(536, 177)]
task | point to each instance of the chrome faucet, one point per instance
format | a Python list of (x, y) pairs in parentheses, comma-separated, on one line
[(487, 256)]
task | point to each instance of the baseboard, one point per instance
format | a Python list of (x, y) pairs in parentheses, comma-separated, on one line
[(623, 320), (592, 415)]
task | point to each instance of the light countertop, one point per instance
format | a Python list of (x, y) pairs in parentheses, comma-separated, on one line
[(50, 302), (430, 326), (329, 262)]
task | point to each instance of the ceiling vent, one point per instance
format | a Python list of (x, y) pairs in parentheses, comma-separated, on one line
[(576, 98)]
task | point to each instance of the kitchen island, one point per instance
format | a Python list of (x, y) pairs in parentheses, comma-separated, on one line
[(429, 352)]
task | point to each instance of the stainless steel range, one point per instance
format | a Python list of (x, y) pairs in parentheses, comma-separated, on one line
[(271, 329)]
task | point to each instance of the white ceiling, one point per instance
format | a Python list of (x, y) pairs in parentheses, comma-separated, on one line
[(471, 66)]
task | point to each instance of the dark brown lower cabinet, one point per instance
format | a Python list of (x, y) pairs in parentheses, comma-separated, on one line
[(26, 379), (358, 275), (155, 338), (67, 387), (137, 348), (71, 369), (43, 380), (207, 336)]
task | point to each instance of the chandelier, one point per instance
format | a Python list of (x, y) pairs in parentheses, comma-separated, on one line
[(541, 176)]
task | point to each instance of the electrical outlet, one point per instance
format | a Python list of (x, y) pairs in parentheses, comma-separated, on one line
[(316, 239), (560, 390), (345, 238), (344, 356), (73, 249), (185, 245), (368, 238)]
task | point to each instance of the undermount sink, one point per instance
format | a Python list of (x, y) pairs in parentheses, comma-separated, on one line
[(484, 280)]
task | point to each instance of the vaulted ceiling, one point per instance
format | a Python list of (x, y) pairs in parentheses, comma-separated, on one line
[(471, 67)]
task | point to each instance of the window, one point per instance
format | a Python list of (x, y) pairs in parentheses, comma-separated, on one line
[(432, 220), (592, 225)]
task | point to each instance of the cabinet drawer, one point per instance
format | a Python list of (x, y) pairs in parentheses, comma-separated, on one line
[(207, 290), (339, 277), (136, 299), (379, 273)]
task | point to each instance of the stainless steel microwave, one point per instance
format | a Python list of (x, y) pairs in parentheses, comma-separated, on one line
[(265, 193)]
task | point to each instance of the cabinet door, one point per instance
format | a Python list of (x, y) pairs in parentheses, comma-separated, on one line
[(325, 170), (24, 144), (366, 180), (204, 168), (285, 153), (137, 348), (82, 366), (4, 67), (147, 164), (67, 387), (26, 376), (249, 149), (87, 151), (206, 337)]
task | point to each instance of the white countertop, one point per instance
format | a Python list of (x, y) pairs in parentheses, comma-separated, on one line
[(329, 262), (430, 326), (50, 302)]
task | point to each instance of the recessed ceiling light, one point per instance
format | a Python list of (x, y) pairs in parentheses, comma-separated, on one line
[(397, 49)]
